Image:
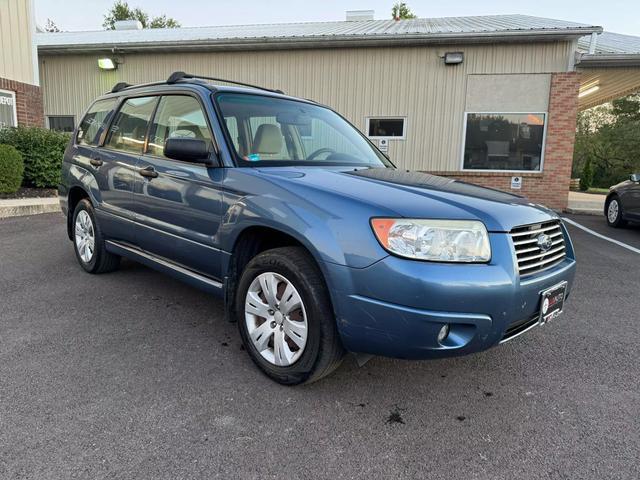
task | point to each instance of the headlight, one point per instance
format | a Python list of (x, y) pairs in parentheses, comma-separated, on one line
[(434, 240)]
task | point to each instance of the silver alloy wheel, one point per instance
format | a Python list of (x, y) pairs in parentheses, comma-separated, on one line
[(276, 319), (613, 211), (85, 236)]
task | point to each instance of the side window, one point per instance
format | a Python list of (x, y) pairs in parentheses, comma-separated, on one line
[(94, 122), (128, 131), (177, 116)]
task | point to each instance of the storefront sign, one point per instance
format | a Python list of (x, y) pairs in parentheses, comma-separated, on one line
[(8, 117)]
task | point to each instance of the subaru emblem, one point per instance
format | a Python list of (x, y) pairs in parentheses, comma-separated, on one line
[(544, 242)]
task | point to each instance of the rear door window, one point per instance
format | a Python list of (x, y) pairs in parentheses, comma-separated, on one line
[(129, 129), (95, 121)]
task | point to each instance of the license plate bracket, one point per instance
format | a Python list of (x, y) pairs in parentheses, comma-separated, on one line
[(552, 302)]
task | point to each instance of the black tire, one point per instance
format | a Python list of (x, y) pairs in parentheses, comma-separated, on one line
[(101, 261), (323, 351), (618, 221)]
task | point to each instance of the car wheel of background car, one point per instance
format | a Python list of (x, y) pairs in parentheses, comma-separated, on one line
[(614, 212), (88, 241), (285, 317)]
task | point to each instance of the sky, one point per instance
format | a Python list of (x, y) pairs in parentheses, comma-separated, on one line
[(620, 16)]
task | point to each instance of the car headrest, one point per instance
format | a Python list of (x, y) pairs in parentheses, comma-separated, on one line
[(268, 139)]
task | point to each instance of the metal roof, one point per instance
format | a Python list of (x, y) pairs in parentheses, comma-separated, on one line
[(319, 34), (612, 50), (612, 43)]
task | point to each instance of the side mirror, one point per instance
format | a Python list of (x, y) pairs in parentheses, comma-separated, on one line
[(635, 177), (187, 149)]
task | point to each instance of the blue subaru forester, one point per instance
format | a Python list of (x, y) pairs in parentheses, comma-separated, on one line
[(316, 242)]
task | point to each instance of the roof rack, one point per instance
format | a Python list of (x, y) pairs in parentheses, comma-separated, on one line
[(177, 76), (120, 86)]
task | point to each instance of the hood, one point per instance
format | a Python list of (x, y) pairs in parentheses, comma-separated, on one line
[(416, 195)]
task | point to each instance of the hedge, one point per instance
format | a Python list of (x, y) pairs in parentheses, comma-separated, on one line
[(42, 152), (11, 169)]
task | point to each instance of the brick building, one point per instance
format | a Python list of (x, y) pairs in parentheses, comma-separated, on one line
[(20, 94), (490, 100)]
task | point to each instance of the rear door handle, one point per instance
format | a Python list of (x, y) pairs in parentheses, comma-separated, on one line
[(148, 172), (96, 162)]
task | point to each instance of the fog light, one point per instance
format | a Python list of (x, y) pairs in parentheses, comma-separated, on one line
[(443, 333)]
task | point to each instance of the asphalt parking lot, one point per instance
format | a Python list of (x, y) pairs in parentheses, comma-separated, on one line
[(135, 375)]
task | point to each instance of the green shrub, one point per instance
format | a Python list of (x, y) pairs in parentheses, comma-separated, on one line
[(42, 151), (11, 169), (586, 179)]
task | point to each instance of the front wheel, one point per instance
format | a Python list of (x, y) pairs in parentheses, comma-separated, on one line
[(88, 241), (614, 213), (285, 317)]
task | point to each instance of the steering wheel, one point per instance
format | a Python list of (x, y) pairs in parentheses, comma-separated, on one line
[(320, 151)]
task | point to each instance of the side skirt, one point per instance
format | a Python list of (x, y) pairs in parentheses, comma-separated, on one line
[(165, 266)]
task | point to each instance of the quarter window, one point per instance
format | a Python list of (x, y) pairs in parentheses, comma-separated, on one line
[(504, 141), (178, 116), (129, 129), (95, 121), (64, 123)]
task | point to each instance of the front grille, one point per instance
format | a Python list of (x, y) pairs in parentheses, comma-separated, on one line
[(532, 258)]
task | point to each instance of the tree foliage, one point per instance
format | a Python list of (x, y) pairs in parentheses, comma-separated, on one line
[(122, 11), (401, 11), (608, 140), (51, 26)]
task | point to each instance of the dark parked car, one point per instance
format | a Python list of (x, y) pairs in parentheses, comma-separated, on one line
[(316, 242), (623, 202)]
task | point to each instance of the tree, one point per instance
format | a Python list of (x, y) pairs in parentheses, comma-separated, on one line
[(122, 11), (50, 26), (401, 11), (608, 141)]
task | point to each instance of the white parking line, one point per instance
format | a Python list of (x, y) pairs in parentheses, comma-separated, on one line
[(599, 235)]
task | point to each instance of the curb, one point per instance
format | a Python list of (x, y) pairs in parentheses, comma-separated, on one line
[(584, 211), (28, 206)]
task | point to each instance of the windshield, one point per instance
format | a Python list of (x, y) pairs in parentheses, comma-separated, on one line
[(268, 131)]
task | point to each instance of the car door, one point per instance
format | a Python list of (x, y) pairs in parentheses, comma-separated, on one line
[(115, 163), (178, 203), (631, 199)]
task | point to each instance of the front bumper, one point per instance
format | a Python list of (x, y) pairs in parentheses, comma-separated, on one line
[(396, 307)]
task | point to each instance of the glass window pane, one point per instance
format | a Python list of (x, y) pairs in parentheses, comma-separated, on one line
[(8, 109), (279, 130), (128, 131), (94, 122), (178, 116), (504, 141), (234, 133), (61, 123), (386, 127)]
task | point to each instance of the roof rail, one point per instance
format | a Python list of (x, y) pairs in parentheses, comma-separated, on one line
[(177, 76), (120, 86)]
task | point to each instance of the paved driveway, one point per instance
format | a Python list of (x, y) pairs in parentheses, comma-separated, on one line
[(134, 375)]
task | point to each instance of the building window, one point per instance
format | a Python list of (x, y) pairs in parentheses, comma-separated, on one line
[(387, 127), (8, 116), (504, 141), (62, 123)]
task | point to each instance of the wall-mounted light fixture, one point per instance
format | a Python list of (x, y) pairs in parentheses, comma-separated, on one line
[(588, 89), (107, 64), (453, 58)]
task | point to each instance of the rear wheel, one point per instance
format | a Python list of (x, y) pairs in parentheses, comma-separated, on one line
[(614, 212), (88, 241), (285, 317)]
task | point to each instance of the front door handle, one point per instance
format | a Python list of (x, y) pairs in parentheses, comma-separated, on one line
[(96, 162), (148, 172)]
